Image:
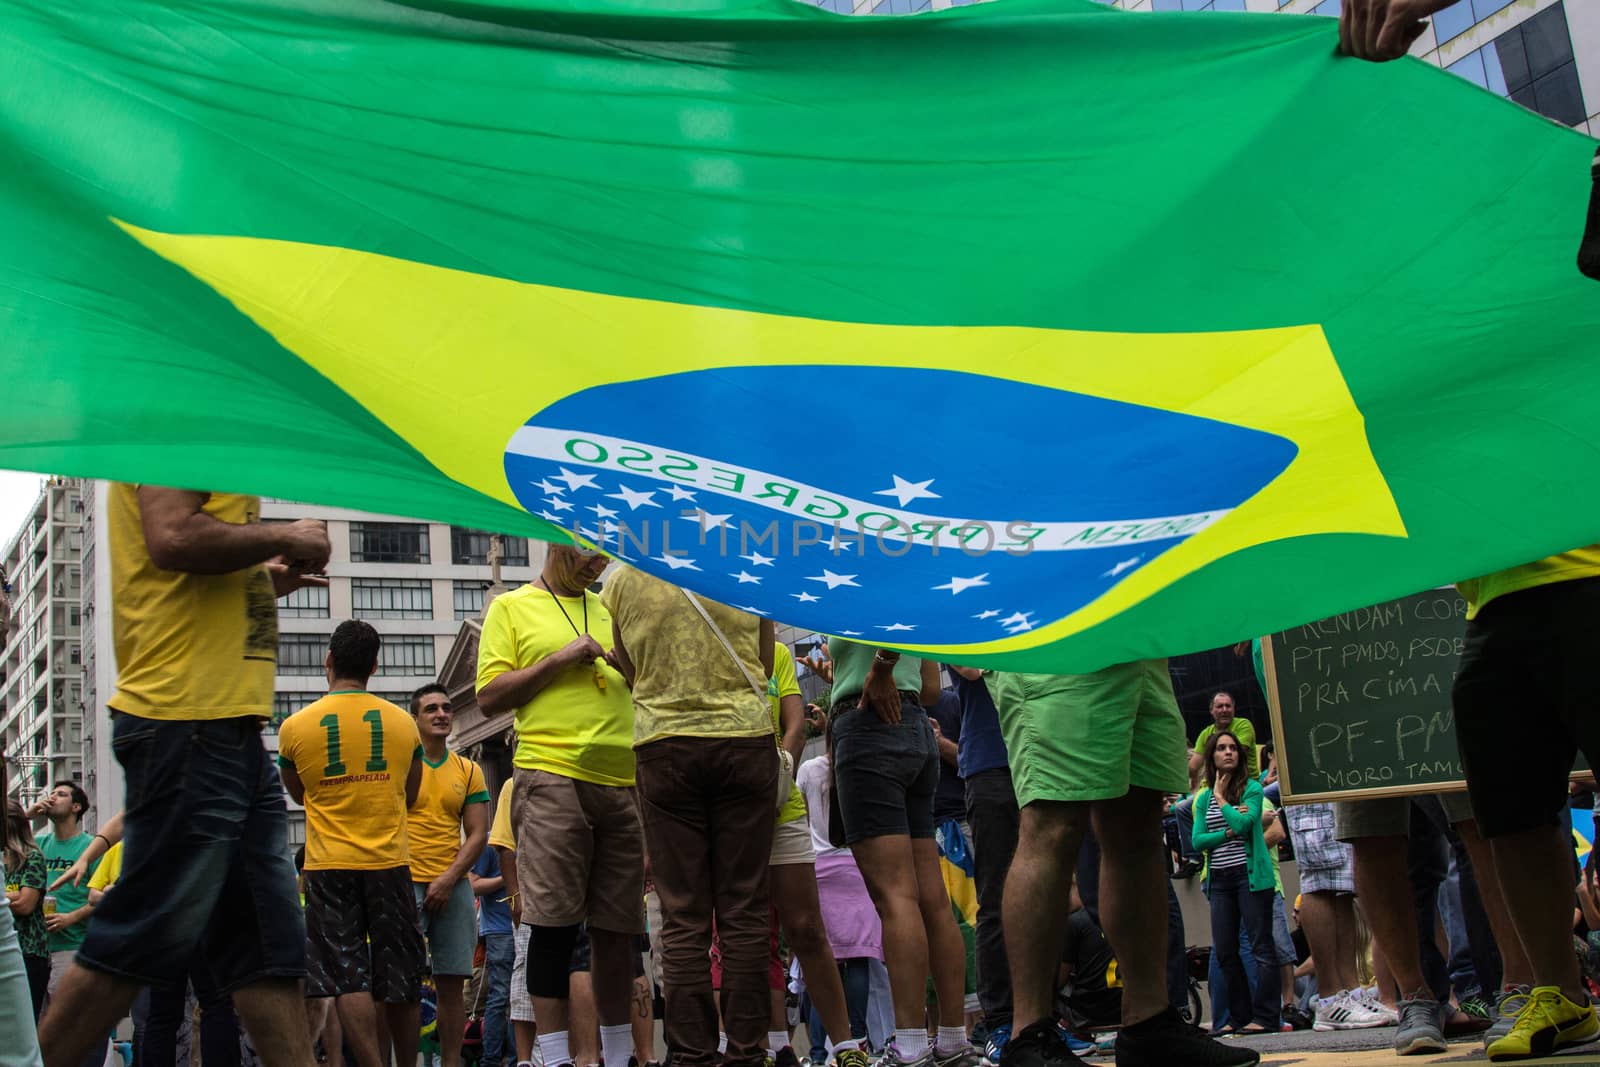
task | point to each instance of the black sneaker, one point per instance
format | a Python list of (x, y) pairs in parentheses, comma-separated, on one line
[(1165, 1040), (785, 1057), (1295, 1017), (1037, 1045)]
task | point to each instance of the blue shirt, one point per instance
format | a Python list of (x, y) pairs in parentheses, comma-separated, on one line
[(494, 914), (950, 798), (981, 747)]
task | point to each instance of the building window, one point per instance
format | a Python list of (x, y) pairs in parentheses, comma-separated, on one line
[(471, 548), (391, 598), (399, 700), (301, 653), (285, 705), (1537, 68), (74, 616), (308, 603), (406, 655), (468, 598), (389, 542), (75, 655)]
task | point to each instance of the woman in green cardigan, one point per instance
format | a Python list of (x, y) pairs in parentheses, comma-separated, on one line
[(1227, 829)]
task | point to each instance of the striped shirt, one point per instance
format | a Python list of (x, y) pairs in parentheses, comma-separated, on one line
[(1229, 853)]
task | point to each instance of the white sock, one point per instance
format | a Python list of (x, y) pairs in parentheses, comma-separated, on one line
[(554, 1049), (777, 1041), (950, 1039), (854, 1042), (722, 1043), (616, 1044), (911, 1044)]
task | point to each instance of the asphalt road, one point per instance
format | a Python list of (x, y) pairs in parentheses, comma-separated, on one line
[(1372, 1048)]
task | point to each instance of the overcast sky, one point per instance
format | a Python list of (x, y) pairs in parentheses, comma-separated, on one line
[(17, 494)]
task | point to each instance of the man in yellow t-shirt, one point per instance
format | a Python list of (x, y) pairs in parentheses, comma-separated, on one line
[(544, 654), (1524, 706), (447, 829), (193, 580), (355, 762), (708, 783), (792, 876)]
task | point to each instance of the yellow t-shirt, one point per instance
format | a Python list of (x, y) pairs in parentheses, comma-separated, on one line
[(501, 833), (685, 684), (353, 752), (571, 727), (1562, 567), (189, 646), (105, 876), (433, 825), (782, 684)]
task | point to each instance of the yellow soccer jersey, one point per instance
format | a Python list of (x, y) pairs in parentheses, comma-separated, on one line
[(503, 834), (434, 822), (352, 751)]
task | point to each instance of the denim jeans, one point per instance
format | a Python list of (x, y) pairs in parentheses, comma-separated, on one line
[(1235, 907), (857, 977), (499, 951), (1183, 811), (207, 835), (169, 1009), (20, 1045), (992, 813)]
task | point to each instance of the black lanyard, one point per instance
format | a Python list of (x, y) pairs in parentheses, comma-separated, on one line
[(563, 608)]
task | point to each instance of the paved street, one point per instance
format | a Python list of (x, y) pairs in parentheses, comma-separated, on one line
[(1373, 1048)]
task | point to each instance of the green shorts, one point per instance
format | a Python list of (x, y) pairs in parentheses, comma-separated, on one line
[(1084, 737)]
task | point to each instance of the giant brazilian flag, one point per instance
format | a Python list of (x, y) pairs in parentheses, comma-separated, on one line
[(1036, 333)]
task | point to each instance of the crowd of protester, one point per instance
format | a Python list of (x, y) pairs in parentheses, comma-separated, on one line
[(965, 874)]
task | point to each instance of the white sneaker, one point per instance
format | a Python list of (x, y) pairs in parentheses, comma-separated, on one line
[(1368, 996), (1345, 1011)]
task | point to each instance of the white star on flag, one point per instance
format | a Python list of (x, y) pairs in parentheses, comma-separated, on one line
[(897, 626), (1126, 564), (834, 580), (753, 611), (633, 497), (959, 585), (559, 504), (746, 578), (905, 492), (706, 519), (991, 613), (547, 486), (547, 517), (679, 493), (676, 563), (1018, 622), (805, 598), (849, 633), (576, 481), (758, 560)]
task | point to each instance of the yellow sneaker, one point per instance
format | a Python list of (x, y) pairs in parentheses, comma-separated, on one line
[(1548, 1023)]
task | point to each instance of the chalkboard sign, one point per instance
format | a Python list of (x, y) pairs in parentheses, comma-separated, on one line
[(1360, 702)]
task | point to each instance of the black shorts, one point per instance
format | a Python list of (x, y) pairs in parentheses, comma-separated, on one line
[(582, 953), (1525, 702), (363, 935), (886, 774)]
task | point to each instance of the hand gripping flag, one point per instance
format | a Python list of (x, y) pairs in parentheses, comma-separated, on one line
[(1036, 334)]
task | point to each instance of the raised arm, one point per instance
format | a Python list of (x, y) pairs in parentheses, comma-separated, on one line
[(181, 536)]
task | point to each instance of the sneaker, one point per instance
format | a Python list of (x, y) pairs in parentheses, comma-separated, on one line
[(1345, 1011), (1296, 1018), (1187, 869), (1166, 1040), (1421, 1026), (967, 1056), (785, 1057), (1367, 997), (1548, 1023), (851, 1057), (1478, 1008), (1508, 1004), (996, 1045), (1038, 1045), (891, 1058)]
